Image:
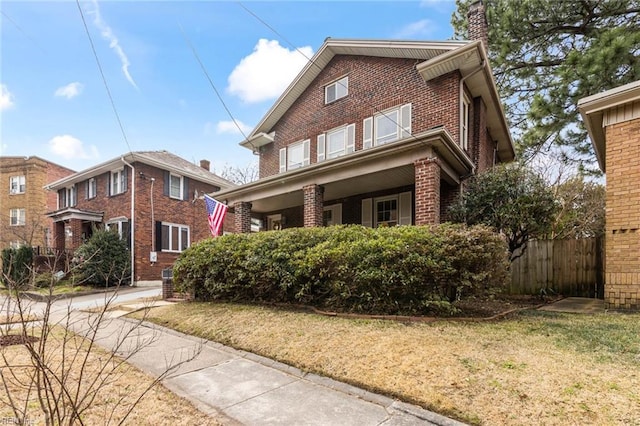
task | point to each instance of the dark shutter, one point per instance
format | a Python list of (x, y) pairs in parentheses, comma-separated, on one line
[(129, 234), (62, 195), (75, 192), (167, 183), (108, 174), (185, 188), (158, 236), (86, 189)]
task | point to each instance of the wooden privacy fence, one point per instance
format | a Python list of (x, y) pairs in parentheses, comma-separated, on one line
[(567, 267)]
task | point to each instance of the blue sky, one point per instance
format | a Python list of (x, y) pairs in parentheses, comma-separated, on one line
[(54, 104)]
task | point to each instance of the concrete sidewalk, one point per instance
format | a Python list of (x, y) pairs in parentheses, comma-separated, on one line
[(238, 387)]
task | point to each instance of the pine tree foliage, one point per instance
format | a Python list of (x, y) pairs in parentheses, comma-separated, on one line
[(548, 54)]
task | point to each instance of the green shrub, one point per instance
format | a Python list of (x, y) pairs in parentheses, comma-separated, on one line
[(17, 266), (104, 259), (397, 270)]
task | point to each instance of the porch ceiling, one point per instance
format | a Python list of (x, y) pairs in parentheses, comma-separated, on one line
[(347, 187)]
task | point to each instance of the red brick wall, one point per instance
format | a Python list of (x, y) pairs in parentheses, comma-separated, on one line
[(165, 209), (375, 84)]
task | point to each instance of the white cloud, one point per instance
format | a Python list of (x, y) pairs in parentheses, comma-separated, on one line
[(69, 91), (68, 147), (419, 29), (107, 34), (267, 71), (232, 128), (6, 98)]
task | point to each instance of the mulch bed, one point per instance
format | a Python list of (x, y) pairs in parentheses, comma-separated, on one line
[(16, 339)]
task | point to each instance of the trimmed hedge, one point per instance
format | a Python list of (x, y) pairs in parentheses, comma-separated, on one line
[(399, 270)]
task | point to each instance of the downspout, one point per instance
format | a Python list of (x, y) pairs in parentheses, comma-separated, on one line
[(133, 220)]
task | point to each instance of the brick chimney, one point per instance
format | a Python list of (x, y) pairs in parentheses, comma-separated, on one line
[(205, 164), (477, 22)]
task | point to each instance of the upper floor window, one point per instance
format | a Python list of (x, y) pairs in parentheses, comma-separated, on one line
[(71, 196), (92, 188), (18, 217), (175, 186), (17, 185), (465, 122), (294, 156), (118, 181), (336, 142), (387, 126), (336, 90)]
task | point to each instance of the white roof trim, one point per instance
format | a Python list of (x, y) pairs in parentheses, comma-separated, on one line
[(592, 109)]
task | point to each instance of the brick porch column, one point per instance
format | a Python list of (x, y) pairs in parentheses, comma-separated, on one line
[(427, 196), (313, 205), (58, 235), (76, 233), (242, 217)]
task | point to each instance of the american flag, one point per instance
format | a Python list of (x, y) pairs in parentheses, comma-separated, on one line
[(216, 211)]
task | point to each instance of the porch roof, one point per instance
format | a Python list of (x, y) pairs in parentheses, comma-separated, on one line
[(69, 213), (383, 167)]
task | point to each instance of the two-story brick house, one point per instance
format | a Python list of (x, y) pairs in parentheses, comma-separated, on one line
[(376, 132), (153, 199), (24, 203)]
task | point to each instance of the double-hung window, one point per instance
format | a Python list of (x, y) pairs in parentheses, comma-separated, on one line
[(465, 122), (174, 237), (18, 217), (387, 126), (70, 199), (294, 156), (175, 186), (336, 142), (17, 185), (118, 181), (121, 226), (336, 90), (92, 188)]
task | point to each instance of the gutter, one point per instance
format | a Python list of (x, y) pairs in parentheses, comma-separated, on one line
[(133, 221)]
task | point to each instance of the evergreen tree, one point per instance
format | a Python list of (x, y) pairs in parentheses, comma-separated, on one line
[(548, 54)]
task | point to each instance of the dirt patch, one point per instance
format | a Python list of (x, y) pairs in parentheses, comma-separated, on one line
[(476, 307), (16, 339)]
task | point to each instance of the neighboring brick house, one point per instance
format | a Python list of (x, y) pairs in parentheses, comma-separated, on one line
[(376, 132), (24, 203), (159, 190), (613, 121)]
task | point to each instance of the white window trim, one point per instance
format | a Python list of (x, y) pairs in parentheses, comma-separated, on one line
[(92, 190), (19, 216), (180, 228), (466, 108), (342, 83), (404, 209), (120, 174), (118, 223), (402, 124), (71, 196), (304, 146), (348, 142), (382, 199), (21, 185), (180, 195)]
